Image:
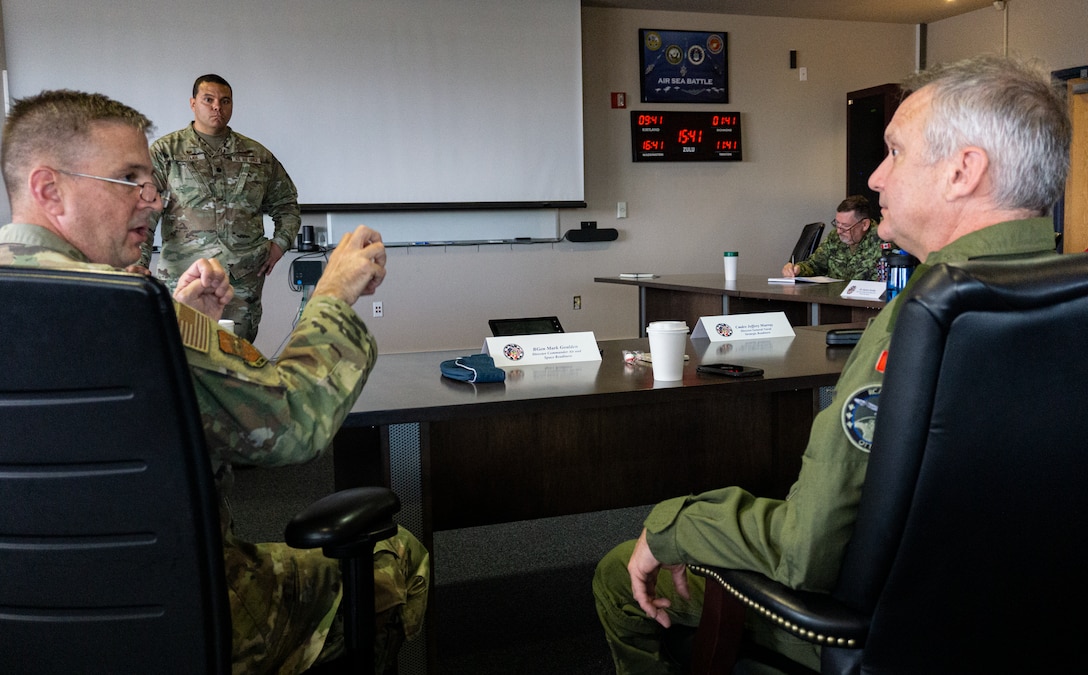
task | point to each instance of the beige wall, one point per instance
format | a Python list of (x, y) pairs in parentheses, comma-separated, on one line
[(681, 216), (1050, 30)]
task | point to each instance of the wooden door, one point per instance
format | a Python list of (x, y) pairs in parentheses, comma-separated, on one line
[(1075, 238)]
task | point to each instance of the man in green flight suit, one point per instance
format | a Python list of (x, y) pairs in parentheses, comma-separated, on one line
[(977, 154), (79, 178), (221, 184), (854, 251)]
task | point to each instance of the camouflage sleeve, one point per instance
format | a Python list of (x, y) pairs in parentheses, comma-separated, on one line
[(815, 264), (281, 203), (287, 412), (158, 168)]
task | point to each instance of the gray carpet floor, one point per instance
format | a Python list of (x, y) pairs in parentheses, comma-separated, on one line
[(509, 598)]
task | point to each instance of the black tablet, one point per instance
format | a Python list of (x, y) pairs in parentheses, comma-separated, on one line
[(529, 326)]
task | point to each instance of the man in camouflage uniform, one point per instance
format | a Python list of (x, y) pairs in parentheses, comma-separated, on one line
[(221, 183), (79, 178), (853, 254)]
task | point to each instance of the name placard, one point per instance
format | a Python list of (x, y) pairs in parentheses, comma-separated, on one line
[(771, 350), (528, 350), (743, 326), (863, 290)]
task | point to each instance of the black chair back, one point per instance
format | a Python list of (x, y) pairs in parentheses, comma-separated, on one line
[(969, 546), (109, 530), (807, 243)]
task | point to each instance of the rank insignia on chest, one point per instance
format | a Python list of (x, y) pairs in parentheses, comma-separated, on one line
[(229, 343)]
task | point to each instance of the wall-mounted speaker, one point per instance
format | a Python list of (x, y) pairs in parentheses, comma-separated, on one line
[(592, 234)]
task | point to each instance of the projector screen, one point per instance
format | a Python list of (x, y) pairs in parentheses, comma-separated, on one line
[(367, 103)]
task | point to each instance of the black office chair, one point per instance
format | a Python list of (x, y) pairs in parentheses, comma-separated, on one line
[(109, 527), (808, 241), (970, 544)]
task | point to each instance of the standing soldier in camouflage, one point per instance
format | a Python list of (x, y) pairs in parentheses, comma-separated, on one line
[(221, 185), (852, 254), (79, 178)]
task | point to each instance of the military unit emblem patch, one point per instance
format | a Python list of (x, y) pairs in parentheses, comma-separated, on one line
[(229, 343), (859, 416)]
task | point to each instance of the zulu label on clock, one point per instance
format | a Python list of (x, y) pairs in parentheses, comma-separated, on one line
[(685, 136)]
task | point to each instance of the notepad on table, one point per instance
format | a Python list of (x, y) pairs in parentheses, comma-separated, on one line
[(637, 275), (801, 280)]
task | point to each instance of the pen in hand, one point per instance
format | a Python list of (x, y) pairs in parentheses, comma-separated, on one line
[(789, 270)]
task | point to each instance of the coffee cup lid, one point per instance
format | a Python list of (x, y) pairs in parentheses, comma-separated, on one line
[(670, 326)]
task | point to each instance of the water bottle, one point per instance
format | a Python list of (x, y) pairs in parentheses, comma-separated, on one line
[(900, 266)]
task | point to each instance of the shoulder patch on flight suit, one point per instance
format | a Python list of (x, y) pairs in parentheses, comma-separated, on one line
[(859, 416), (195, 328), (229, 343)]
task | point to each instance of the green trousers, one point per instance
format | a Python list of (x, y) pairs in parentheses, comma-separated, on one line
[(637, 641)]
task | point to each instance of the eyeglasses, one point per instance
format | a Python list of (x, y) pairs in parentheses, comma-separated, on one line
[(148, 191), (843, 227)]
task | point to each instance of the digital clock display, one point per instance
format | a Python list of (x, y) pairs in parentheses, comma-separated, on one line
[(685, 136)]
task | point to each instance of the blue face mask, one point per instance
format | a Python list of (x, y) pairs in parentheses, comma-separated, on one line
[(475, 368)]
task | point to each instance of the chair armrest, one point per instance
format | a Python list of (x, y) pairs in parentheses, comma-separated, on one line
[(347, 523), (815, 617)]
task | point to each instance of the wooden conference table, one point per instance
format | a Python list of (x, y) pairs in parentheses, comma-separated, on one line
[(691, 296), (579, 437)]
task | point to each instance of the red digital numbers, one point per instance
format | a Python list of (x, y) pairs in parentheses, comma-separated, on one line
[(669, 136), (689, 136)]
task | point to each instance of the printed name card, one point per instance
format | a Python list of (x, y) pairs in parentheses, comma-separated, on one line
[(863, 290), (743, 326), (528, 350)]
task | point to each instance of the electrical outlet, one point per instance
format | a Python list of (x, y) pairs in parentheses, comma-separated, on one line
[(577, 302), (621, 209), (377, 309)]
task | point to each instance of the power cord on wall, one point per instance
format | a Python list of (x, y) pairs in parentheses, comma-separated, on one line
[(296, 277)]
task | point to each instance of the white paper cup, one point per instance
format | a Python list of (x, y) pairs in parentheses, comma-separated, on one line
[(226, 324), (668, 340), (730, 258)]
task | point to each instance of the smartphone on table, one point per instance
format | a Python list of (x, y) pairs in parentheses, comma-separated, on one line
[(729, 370)]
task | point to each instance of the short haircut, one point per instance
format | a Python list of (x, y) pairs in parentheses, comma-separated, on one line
[(1011, 109), (857, 203), (210, 77), (53, 127)]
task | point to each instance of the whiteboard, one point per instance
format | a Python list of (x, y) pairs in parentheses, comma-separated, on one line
[(433, 228), (363, 101)]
